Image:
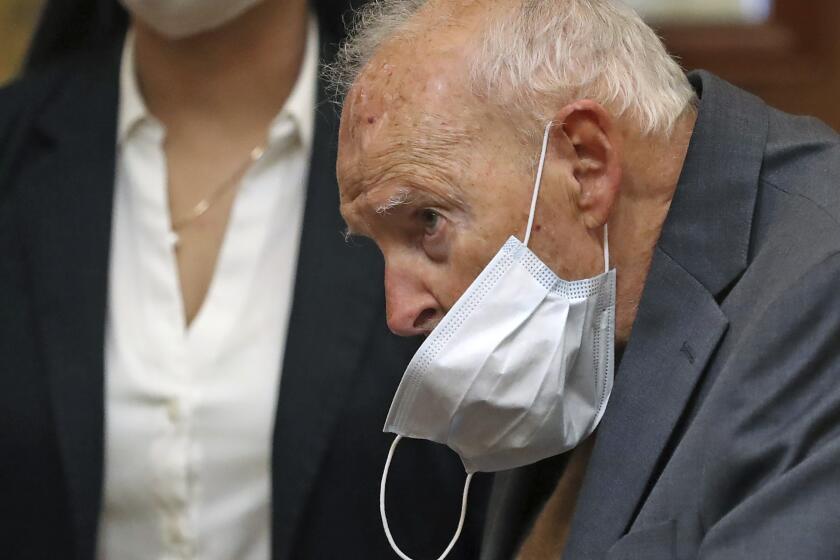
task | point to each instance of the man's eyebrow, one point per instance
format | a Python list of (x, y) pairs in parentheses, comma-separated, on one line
[(402, 196), (410, 196)]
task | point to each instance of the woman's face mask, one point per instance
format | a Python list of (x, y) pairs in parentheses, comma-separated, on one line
[(177, 19)]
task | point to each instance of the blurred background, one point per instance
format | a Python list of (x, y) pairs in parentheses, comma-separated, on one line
[(786, 51), (17, 20)]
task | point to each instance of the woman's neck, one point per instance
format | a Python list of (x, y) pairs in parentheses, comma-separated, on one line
[(237, 76)]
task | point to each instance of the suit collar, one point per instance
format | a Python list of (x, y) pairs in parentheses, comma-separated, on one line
[(86, 99), (709, 223), (702, 250), (67, 197)]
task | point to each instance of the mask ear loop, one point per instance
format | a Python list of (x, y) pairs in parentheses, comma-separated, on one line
[(606, 249), (393, 544), (537, 183), (536, 195)]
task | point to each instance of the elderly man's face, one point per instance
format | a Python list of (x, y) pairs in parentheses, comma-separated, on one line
[(439, 180)]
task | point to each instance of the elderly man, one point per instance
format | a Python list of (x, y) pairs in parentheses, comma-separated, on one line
[(721, 438)]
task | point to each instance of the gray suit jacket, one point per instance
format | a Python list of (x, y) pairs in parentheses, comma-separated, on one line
[(722, 437)]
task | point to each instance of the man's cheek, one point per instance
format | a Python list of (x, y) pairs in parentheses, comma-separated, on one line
[(457, 282)]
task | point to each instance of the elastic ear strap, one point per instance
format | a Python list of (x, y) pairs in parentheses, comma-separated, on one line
[(393, 544), (606, 249), (537, 183)]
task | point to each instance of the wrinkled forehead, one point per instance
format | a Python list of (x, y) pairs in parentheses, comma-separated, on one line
[(403, 108), (403, 89), (423, 68)]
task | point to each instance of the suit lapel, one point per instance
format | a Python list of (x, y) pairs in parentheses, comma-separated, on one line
[(703, 249), (677, 329), (337, 302), (66, 188)]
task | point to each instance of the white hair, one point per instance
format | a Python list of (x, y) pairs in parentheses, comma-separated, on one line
[(542, 54), (400, 197)]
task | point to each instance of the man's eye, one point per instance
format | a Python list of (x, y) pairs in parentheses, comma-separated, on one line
[(435, 234), (431, 221)]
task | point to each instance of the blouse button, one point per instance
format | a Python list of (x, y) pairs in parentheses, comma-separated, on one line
[(173, 411)]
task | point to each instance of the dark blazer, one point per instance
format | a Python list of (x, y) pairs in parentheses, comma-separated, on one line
[(340, 370), (722, 436)]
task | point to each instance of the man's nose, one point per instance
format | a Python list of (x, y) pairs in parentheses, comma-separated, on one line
[(411, 309)]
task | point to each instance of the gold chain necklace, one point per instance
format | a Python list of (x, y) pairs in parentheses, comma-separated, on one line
[(206, 203)]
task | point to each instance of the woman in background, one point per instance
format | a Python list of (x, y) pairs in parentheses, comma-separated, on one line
[(195, 363)]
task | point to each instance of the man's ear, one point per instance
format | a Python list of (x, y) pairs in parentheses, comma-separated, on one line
[(588, 129)]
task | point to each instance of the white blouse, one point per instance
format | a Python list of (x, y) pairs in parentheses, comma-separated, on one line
[(190, 411)]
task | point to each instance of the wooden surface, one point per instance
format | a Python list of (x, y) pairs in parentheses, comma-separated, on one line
[(17, 18), (792, 61), (700, 11)]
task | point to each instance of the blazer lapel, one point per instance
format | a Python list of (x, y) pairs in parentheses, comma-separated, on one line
[(66, 187), (676, 331), (337, 302), (703, 249)]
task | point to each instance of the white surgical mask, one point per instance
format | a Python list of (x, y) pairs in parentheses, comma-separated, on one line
[(176, 19), (520, 369)]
